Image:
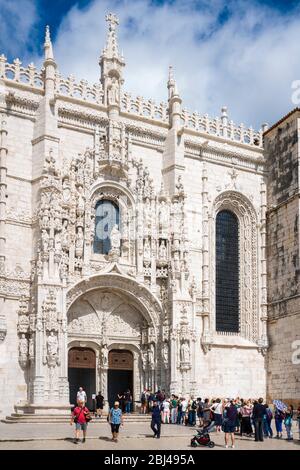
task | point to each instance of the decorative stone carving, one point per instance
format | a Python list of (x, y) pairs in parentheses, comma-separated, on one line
[(52, 350), (3, 328), (49, 311), (23, 320), (79, 243)]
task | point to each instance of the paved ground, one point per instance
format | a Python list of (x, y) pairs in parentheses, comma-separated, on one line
[(132, 436)]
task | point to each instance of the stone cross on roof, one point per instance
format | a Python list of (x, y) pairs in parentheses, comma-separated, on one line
[(112, 20)]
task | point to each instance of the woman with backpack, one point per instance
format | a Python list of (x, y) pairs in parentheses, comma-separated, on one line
[(279, 416), (81, 417), (288, 421), (268, 432)]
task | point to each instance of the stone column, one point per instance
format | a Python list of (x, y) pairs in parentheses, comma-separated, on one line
[(3, 186), (263, 340)]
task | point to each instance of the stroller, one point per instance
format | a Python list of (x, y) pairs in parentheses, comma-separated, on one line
[(202, 437)]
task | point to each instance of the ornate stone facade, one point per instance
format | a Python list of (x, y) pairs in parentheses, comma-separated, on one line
[(153, 293)]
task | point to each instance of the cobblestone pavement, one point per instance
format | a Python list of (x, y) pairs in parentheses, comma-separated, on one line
[(132, 436)]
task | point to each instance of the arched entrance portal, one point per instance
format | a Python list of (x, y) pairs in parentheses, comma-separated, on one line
[(82, 373), (120, 373)]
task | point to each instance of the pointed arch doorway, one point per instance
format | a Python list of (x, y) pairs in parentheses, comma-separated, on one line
[(120, 373), (82, 373)]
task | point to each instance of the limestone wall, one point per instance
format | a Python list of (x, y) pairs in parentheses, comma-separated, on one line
[(282, 153)]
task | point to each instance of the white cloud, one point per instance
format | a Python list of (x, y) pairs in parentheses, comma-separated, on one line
[(17, 20), (248, 64)]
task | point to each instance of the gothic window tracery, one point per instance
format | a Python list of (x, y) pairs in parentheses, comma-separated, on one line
[(227, 272), (107, 215)]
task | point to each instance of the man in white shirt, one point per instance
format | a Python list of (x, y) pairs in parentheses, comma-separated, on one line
[(81, 395), (184, 405)]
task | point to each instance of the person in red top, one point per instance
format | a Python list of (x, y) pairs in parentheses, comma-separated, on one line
[(80, 417)]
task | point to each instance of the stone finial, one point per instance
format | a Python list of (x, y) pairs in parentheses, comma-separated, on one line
[(48, 45), (112, 50)]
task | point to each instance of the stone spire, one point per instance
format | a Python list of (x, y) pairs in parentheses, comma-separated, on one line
[(48, 50), (112, 63), (174, 100)]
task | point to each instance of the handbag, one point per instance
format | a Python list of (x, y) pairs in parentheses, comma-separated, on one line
[(88, 417)]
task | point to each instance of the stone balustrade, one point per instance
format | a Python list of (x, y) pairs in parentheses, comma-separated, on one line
[(146, 109), (24, 75)]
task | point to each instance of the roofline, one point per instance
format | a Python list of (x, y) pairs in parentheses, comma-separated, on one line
[(282, 120)]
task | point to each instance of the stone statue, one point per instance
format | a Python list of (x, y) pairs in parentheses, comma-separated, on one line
[(80, 201), (45, 240), (49, 165), (113, 92), (147, 214), (104, 355), (147, 250), (52, 344), (66, 191), (79, 243), (65, 236), (151, 355), (115, 238), (31, 347), (165, 353), (185, 352), (162, 252), (23, 346), (163, 219)]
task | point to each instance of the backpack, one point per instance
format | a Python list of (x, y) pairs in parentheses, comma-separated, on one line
[(194, 405)]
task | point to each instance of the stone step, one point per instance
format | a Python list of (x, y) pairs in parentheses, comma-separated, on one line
[(65, 418)]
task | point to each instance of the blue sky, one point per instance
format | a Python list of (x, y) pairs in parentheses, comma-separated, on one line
[(239, 53)]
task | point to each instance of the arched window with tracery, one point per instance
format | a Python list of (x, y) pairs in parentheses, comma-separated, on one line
[(227, 272), (106, 216)]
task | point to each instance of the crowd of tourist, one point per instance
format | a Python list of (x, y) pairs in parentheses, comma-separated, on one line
[(251, 417)]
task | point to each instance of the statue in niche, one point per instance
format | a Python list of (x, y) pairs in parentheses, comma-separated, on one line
[(79, 242), (185, 352), (31, 347), (49, 165), (23, 347), (165, 353), (45, 217), (162, 253), (147, 214), (163, 218), (66, 191), (113, 92), (65, 235), (104, 355), (147, 250), (80, 201), (52, 345), (115, 239), (45, 240), (151, 355)]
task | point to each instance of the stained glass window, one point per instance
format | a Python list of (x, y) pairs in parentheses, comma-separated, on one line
[(107, 215), (227, 272)]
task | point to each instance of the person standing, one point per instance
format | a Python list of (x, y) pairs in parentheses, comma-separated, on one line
[(298, 420), (200, 406), (259, 410), (288, 421), (206, 410), (80, 416), (156, 419), (144, 401), (99, 404), (179, 411), (246, 411), (81, 395), (229, 421), (217, 409), (268, 432), (166, 411), (128, 401), (184, 405), (173, 409), (279, 417), (115, 418)]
